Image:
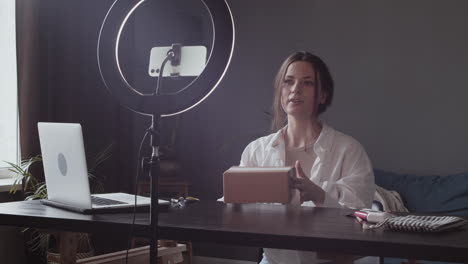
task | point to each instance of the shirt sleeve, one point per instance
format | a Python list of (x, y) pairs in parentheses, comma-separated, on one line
[(356, 187)]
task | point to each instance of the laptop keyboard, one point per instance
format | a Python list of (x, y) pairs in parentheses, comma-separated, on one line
[(104, 201)]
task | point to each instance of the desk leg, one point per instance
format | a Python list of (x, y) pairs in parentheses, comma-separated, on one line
[(189, 252), (68, 247)]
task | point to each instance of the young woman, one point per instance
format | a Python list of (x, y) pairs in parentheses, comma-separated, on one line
[(332, 169)]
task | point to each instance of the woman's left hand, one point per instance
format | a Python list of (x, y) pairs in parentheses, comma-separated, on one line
[(308, 189)]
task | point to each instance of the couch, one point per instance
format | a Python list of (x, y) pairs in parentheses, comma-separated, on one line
[(433, 194)]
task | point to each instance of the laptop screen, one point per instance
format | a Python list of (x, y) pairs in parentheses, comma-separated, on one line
[(64, 161)]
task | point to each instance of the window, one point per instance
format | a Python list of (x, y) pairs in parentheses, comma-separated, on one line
[(8, 87)]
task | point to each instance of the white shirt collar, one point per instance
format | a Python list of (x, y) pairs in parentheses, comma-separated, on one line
[(321, 145)]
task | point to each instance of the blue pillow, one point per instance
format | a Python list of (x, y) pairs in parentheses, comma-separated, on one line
[(428, 194)]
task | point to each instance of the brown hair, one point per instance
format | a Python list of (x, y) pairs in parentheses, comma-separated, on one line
[(323, 79)]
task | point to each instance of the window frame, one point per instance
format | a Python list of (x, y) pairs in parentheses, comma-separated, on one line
[(10, 6)]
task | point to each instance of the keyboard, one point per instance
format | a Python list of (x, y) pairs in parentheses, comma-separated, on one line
[(104, 201)]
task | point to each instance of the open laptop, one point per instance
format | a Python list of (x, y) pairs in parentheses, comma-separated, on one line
[(66, 174)]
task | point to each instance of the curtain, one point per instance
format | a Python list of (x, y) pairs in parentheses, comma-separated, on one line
[(29, 74), (59, 81)]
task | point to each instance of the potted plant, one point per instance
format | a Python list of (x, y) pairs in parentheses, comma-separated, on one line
[(42, 243)]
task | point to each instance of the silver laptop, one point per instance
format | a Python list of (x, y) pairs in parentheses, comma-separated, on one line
[(66, 174)]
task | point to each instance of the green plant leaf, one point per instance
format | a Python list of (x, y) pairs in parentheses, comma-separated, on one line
[(35, 189), (101, 157), (15, 168)]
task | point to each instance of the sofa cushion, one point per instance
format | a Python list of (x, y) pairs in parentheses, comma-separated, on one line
[(428, 194)]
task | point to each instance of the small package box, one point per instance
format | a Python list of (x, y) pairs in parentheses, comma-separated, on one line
[(257, 184)]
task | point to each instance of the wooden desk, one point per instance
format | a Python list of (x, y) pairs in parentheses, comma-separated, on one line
[(259, 225)]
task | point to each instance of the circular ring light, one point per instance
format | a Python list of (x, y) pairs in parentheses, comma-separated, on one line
[(168, 104)]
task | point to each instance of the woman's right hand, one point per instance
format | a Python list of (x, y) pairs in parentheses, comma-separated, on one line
[(309, 191)]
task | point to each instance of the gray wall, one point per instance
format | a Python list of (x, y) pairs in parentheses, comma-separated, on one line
[(399, 68)]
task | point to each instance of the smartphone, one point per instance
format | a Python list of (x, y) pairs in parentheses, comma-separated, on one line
[(192, 61)]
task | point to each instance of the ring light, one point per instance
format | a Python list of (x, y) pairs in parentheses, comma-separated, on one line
[(169, 104), (160, 105)]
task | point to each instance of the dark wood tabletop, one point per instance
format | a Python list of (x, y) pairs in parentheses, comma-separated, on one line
[(260, 225)]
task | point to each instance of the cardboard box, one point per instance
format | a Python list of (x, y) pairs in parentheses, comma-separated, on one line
[(257, 185)]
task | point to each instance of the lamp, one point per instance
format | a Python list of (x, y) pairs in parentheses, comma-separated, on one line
[(162, 105)]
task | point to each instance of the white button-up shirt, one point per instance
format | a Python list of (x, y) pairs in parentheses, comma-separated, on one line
[(342, 169)]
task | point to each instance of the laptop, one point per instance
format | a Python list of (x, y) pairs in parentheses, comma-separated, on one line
[(66, 174)]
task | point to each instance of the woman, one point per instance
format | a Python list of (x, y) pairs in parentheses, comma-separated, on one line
[(332, 169)]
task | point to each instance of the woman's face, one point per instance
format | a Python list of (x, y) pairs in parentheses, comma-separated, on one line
[(298, 91)]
